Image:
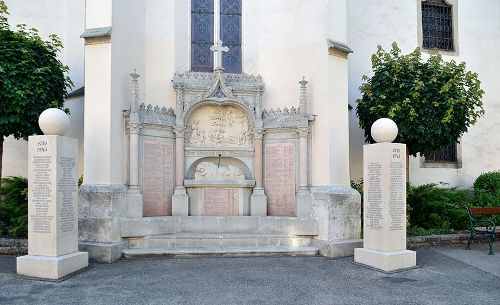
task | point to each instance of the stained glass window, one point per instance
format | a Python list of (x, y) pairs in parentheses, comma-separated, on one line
[(203, 35), (437, 25), (230, 18)]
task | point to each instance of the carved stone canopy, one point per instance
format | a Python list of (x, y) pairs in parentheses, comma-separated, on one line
[(194, 88)]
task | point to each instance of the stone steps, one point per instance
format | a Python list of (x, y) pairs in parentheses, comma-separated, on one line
[(199, 240), (151, 226), (220, 251)]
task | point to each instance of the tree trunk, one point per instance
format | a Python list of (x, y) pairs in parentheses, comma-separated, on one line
[(1, 156), (407, 166)]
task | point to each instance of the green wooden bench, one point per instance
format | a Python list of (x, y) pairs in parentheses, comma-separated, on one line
[(485, 228)]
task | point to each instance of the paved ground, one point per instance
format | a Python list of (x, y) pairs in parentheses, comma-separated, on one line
[(440, 279)]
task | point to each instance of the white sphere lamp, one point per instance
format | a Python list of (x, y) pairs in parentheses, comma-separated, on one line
[(53, 121), (384, 130)]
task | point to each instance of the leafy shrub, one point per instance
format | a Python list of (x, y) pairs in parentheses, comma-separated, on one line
[(14, 207), (437, 208), (487, 190)]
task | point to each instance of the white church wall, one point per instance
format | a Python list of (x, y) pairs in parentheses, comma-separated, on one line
[(281, 44), (375, 22), (127, 49), (66, 19), (159, 38)]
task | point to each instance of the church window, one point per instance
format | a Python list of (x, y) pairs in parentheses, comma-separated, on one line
[(212, 22), (437, 25)]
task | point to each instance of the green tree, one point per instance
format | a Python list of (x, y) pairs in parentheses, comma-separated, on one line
[(32, 79), (433, 102)]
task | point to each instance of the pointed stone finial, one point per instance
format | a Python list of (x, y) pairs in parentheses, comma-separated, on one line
[(134, 91), (303, 96)]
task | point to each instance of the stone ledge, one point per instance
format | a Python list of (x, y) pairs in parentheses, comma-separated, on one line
[(13, 246), (103, 252), (419, 242)]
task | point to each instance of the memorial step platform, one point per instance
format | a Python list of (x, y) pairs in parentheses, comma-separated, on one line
[(197, 240), (274, 225), (216, 251)]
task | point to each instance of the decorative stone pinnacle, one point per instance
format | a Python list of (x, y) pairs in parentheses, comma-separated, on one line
[(303, 96), (134, 91)]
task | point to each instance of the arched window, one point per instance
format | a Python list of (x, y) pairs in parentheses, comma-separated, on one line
[(211, 21), (437, 25)]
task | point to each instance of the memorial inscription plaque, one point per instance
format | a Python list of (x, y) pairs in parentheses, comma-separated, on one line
[(279, 179), (158, 177), (220, 202)]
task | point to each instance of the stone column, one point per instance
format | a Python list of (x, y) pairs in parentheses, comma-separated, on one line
[(180, 200), (258, 200), (52, 208), (304, 199), (134, 196)]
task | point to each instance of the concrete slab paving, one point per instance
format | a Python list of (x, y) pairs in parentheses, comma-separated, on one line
[(477, 257), (257, 280)]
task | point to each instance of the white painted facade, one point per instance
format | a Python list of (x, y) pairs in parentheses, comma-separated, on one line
[(382, 22), (283, 40)]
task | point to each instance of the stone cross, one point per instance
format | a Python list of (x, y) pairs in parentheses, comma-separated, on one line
[(217, 48)]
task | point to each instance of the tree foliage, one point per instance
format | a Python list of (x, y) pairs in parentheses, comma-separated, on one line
[(32, 78), (433, 102)]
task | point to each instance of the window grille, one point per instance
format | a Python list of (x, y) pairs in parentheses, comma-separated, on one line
[(437, 25), (446, 154)]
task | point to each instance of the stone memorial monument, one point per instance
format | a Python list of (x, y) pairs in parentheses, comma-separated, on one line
[(52, 202), (384, 212)]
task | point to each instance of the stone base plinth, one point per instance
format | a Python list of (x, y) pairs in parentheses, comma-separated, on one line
[(51, 267), (258, 203), (386, 261), (304, 202), (103, 252), (337, 248), (134, 203), (180, 202)]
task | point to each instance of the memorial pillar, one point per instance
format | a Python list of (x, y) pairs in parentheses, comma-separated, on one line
[(304, 199), (384, 211), (52, 202), (258, 200), (134, 196), (180, 200)]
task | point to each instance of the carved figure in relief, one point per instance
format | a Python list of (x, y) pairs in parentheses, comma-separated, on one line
[(210, 170), (196, 135), (219, 126)]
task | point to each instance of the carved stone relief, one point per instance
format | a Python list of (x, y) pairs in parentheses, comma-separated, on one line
[(210, 170), (218, 126)]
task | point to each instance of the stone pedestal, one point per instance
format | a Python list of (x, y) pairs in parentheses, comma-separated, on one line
[(134, 203), (338, 211), (258, 202), (384, 176), (52, 209), (180, 202)]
